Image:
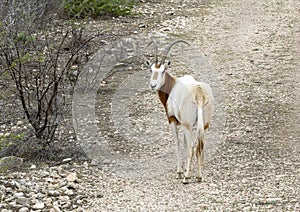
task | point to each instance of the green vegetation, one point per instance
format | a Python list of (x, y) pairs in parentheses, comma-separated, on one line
[(93, 8), (6, 141)]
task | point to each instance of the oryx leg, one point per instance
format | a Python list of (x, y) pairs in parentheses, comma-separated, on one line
[(173, 126), (200, 156), (190, 153)]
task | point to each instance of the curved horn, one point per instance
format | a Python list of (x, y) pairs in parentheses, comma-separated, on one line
[(169, 48), (156, 50)]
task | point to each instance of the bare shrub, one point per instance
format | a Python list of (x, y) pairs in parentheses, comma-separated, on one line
[(42, 60)]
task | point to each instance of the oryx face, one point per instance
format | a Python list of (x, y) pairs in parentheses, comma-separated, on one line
[(158, 69), (158, 72)]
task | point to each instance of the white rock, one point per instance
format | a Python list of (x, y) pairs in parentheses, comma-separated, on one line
[(48, 201), (66, 160), (85, 165), (24, 209), (45, 173), (20, 123), (38, 205), (13, 204), (72, 185), (8, 190), (23, 201), (55, 209), (19, 194), (33, 166), (53, 193), (69, 192), (48, 179), (74, 67), (64, 199), (72, 177)]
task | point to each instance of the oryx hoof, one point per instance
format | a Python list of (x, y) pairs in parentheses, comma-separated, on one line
[(199, 179), (179, 175), (186, 180)]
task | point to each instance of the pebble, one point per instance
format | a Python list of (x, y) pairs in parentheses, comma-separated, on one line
[(19, 194), (66, 160), (20, 123), (39, 206), (72, 177), (69, 192), (53, 193), (24, 209), (55, 209), (33, 166), (23, 201)]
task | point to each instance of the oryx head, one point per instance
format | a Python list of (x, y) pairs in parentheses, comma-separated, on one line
[(158, 68)]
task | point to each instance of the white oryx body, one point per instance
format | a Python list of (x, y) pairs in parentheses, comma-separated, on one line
[(187, 102)]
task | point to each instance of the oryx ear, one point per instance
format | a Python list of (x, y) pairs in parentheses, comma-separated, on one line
[(168, 64), (148, 63)]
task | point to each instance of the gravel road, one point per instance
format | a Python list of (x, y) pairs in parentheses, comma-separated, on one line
[(255, 49)]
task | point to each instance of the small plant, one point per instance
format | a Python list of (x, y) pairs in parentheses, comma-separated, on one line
[(6, 141), (93, 8)]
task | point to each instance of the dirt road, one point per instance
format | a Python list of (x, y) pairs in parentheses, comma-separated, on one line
[(254, 46)]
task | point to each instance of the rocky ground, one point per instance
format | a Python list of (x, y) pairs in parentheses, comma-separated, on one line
[(254, 47)]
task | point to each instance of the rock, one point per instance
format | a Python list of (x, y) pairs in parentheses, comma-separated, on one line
[(8, 190), (74, 67), (23, 201), (69, 192), (19, 123), (2, 195), (72, 177), (33, 166), (72, 185), (24, 209), (166, 29), (15, 184), (48, 202), (95, 162), (59, 170), (63, 184), (40, 195), (13, 204), (64, 199), (66, 160), (85, 164), (48, 179), (19, 194), (45, 174), (53, 193), (10, 162), (142, 25), (55, 209), (38, 206)]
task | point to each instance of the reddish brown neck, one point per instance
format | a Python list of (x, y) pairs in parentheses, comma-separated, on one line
[(164, 93)]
